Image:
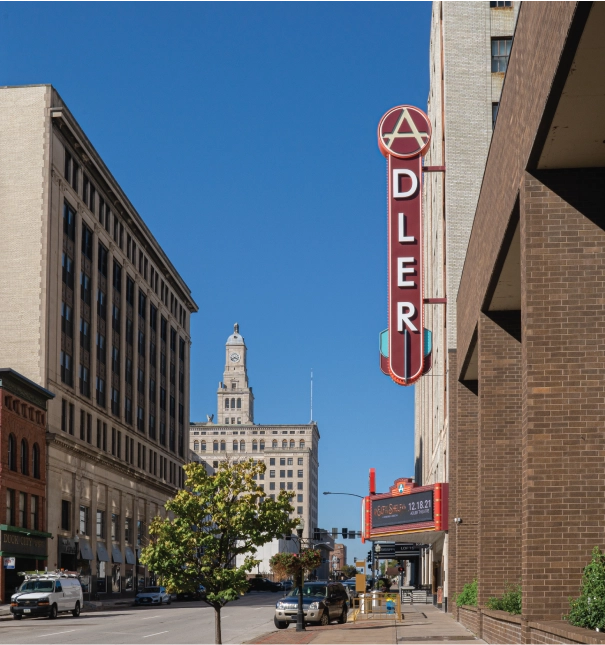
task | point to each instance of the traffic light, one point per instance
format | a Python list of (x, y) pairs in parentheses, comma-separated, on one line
[(334, 533), (345, 533), (352, 535), (369, 558), (316, 534), (400, 569)]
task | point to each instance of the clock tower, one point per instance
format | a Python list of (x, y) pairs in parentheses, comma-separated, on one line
[(235, 398)]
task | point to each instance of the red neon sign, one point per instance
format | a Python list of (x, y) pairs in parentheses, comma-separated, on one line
[(404, 135)]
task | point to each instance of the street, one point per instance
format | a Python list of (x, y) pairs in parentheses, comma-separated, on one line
[(183, 622)]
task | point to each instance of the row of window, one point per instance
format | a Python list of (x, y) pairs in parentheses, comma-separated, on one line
[(85, 529), (241, 445), (148, 460), (282, 473), (19, 512), (25, 410), (27, 465), (91, 197), (233, 403)]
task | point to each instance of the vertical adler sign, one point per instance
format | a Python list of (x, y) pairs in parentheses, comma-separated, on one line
[(404, 135)]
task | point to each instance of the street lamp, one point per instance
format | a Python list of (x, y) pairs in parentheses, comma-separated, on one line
[(300, 614), (377, 550), (351, 494)]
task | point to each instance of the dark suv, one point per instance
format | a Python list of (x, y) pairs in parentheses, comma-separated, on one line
[(263, 584), (322, 603)]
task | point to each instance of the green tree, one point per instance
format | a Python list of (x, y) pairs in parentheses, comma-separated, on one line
[(210, 522), (349, 571), (468, 595)]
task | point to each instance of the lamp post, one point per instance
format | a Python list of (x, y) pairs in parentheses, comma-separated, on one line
[(300, 614), (376, 567), (350, 494)]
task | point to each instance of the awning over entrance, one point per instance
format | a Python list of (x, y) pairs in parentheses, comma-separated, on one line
[(130, 559), (85, 550), (116, 554), (25, 543), (102, 554)]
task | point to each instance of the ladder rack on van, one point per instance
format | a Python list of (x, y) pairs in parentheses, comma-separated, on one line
[(34, 575)]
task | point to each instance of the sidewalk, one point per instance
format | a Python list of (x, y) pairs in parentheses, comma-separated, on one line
[(420, 624)]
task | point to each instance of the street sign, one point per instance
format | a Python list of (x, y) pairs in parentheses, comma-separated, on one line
[(9, 563), (396, 551)]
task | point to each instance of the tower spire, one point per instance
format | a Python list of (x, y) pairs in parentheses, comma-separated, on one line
[(236, 328)]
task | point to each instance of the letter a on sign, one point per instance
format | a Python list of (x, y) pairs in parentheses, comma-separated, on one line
[(404, 135)]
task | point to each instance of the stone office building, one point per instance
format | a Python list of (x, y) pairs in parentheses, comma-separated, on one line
[(290, 452), (527, 446), (23, 534), (94, 311)]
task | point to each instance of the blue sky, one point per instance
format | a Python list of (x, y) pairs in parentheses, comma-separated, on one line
[(245, 136)]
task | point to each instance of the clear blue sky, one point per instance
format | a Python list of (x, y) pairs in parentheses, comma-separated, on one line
[(245, 135)]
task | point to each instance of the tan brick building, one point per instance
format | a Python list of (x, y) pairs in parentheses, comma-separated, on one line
[(94, 311), (526, 449), (23, 534), (289, 452)]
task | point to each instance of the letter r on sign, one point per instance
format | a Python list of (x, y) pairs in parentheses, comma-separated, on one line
[(403, 317)]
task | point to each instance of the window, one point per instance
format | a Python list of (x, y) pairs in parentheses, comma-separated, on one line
[(128, 530), (290, 473), (34, 513), (67, 323), (235, 445), (196, 445), (500, 53), (84, 335), (10, 506), (282, 473), (282, 485), (290, 486), (262, 444), (65, 515), (239, 404), (24, 458), (290, 461), (292, 443), (300, 473), (12, 452), (242, 445), (300, 461), (86, 242), (115, 527), (255, 445), (140, 419), (300, 510), (203, 446), (101, 525), (85, 288), (301, 443), (299, 486), (84, 520), (128, 409), (100, 391), (271, 485), (500, 3), (495, 107), (282, 461), (299, 498), (69, 222), (215, 446), (284, 443), (66, 369), (67, 271), (22, 510), (36, 461), (115, 402), (223, 447), (272, 461), (271, 473)]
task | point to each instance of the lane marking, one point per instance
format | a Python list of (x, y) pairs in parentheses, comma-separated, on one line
[(56, 633), (148, 617), (157, 634)]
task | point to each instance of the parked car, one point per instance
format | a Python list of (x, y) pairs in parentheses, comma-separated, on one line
[(323, 602), (153, 596), (350, 587), (47, 595), (263, 584), (200, 594), (286, 585)]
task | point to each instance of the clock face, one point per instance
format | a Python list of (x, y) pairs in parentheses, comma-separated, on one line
[(234, 357)]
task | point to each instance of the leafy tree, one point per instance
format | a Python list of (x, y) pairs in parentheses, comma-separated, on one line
[(589, 609), (216, 518), (510, 600), (349, 571), (293, 564), (468, 595)]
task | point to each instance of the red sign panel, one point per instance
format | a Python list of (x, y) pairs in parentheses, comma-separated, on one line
[(404, 134)]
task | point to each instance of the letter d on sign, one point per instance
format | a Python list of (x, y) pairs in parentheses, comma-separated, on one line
[(403, 317)]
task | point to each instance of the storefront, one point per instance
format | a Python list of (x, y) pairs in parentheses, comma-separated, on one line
[(29, 550), (128, 580), (67, 553), (84, 565), (102, 568)]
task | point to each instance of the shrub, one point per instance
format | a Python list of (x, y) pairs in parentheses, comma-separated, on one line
[(510, 600), (468, 595), (589, 609)]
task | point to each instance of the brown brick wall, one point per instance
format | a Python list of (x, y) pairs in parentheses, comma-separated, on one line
[(469, 617), (563, 303), (452, 477), (466, 487), (500, 627), (499, 552), (540, 36)]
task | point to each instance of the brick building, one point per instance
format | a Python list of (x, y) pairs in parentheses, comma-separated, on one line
[(94, 311), (469, 48), (23, 533), (338, 559), (526, 442)]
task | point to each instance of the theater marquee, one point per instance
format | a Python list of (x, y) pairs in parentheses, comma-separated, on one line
[(404, 134)]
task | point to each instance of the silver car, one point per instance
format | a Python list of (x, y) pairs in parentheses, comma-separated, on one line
[(153, 596)]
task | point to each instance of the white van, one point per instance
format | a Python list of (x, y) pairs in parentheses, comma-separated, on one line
[(47, 594)]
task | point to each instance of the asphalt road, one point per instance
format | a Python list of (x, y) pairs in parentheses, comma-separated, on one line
[(183, 622)]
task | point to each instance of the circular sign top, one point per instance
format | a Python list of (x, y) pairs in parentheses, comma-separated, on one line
[(404, 131)]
